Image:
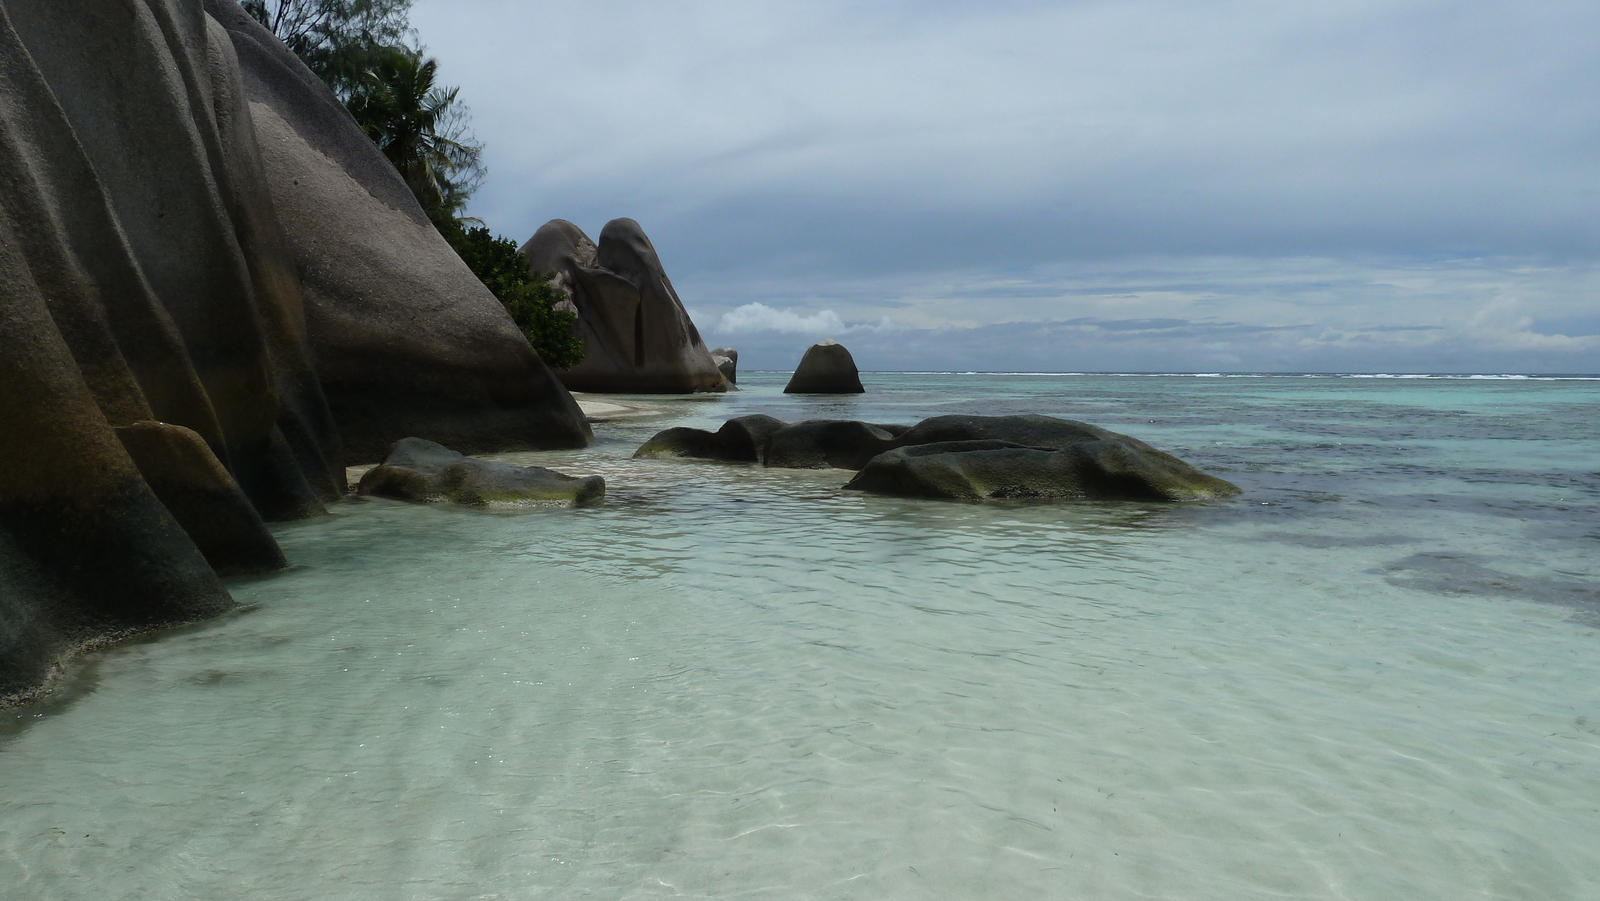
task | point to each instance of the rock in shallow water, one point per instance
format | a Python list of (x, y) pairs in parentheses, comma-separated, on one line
[(827, 443), (958, 457), (1102, 469), (811, 444), (1031, 429), (740, 440), (422, 471)]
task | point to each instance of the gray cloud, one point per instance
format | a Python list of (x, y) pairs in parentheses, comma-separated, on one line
[(971, 164)]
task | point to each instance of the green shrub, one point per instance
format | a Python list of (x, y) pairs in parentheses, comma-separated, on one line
[(527, 295)]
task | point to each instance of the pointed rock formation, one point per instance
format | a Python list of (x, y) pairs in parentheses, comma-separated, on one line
[(637, 337), (827, 368)]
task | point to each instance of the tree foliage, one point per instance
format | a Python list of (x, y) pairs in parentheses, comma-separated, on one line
[(527, 295), (419, 126), (336, 39), (363, 50)]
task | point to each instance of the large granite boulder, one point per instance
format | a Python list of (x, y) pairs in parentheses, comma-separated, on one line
[(407, 341), (727, 360), (143, 279), (178, 367), (1113, 469), (426, 472), (637, 337), (826, 368), (740, 440)]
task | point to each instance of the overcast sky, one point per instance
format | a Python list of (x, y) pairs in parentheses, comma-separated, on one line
[(1068, 186)]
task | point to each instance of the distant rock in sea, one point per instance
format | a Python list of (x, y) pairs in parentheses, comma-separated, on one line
[(826, 368), (426, 472), (637, 336)]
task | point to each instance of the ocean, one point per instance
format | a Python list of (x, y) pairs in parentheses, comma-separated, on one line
[(1373, 675)]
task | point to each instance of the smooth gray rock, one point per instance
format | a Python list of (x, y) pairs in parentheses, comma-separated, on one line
[(1117, 469), (826, 368), (637, 337), (426, 472), (740, 440)]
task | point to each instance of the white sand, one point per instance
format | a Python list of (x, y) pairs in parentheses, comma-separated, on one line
[(610, 409)]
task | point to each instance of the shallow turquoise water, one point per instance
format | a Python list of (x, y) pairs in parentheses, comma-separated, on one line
[(1373, 675)]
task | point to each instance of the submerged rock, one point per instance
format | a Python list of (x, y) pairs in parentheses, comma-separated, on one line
[(637, 337), (1116, 468), (826, 368), (740, 440), (424, 472)]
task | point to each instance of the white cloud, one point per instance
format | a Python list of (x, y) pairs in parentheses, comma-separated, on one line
[(1501, 324), (758, 317)]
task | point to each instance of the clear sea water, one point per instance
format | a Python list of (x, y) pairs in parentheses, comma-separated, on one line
[(1374, 675)]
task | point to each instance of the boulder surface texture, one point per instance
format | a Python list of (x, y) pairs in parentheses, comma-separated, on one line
[(637, 337), (426, 472), (179, 340), (826, 368), (957, 457)]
